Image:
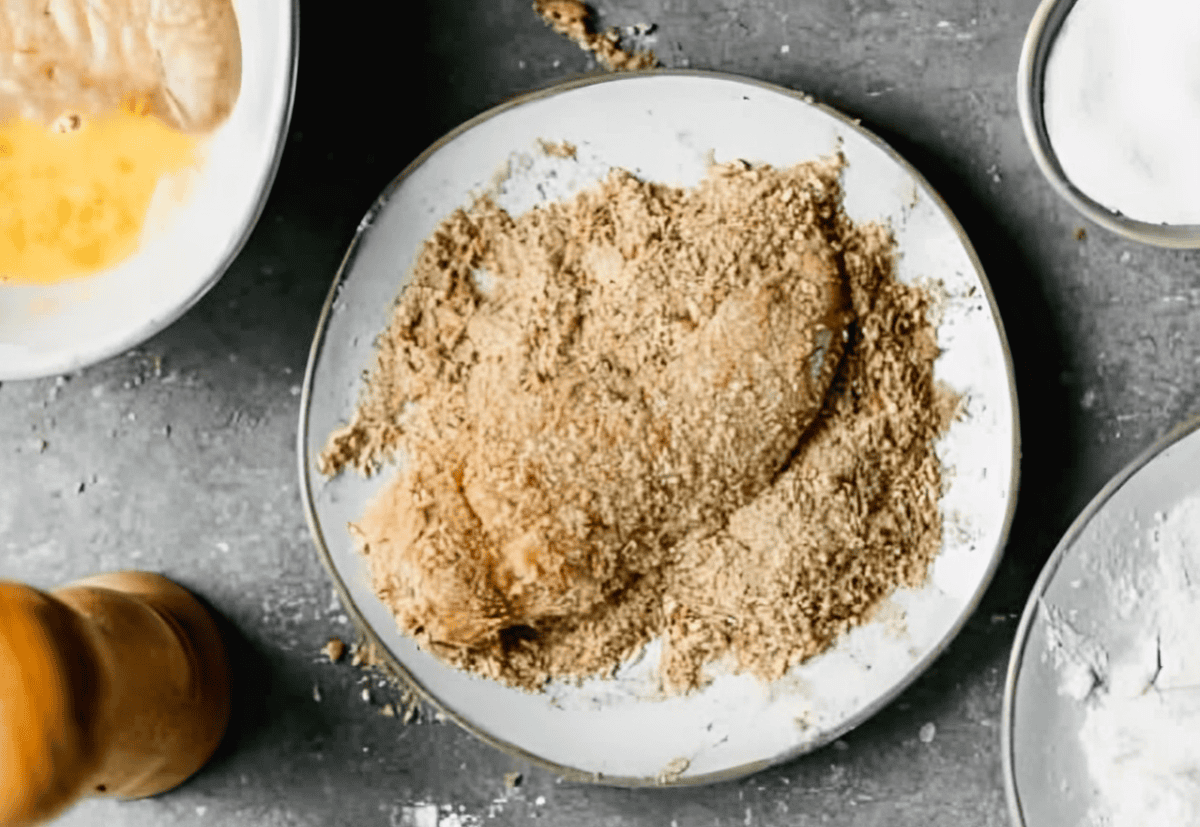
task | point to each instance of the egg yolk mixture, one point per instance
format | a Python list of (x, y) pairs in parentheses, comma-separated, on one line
[(73, 202)]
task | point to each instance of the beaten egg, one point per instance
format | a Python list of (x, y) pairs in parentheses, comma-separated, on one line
[(74, 197), (140, 84)]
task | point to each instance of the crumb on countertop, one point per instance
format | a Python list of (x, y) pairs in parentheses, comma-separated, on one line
[(573, 19), (334, 649)]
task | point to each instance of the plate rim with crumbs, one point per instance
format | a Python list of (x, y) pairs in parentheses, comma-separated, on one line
[(1074, 544), (319, 389)]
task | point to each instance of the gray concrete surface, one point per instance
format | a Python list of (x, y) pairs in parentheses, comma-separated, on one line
[(178, 456)]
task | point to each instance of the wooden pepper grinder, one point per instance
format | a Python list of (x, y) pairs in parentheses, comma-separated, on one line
[(113, 685)]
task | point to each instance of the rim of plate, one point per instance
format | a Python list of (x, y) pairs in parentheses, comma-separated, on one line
[(393, 665), (1031, 75), (1017, 658), (79, 361)]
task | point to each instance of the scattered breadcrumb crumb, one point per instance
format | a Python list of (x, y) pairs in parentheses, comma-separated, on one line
[(673, 770), (366, 653), (562, 149), (574, 20), (334, 649)]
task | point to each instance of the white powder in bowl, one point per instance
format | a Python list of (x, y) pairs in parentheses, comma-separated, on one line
[(1121, 101), (1141, 733)]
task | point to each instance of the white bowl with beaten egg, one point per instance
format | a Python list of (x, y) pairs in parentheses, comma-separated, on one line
[(198, 220)]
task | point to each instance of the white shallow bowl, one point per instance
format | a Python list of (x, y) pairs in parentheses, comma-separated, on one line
[(186, 247), (1046, 777), (665, 126)]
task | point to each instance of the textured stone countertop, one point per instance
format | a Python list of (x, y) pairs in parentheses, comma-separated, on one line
[(179, 455)]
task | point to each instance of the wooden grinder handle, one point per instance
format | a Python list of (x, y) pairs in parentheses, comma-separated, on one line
[(116, 685)]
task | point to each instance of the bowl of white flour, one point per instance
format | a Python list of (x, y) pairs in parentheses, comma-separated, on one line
[(1109, 97), (1102, 700)]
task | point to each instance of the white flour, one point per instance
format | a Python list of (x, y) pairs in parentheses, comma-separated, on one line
[(1141, 733), (1122, 106), (1082, 663)]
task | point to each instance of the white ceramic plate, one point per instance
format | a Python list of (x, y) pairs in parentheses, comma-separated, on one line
[(665, 126), (1086, 584), (185, 248)]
